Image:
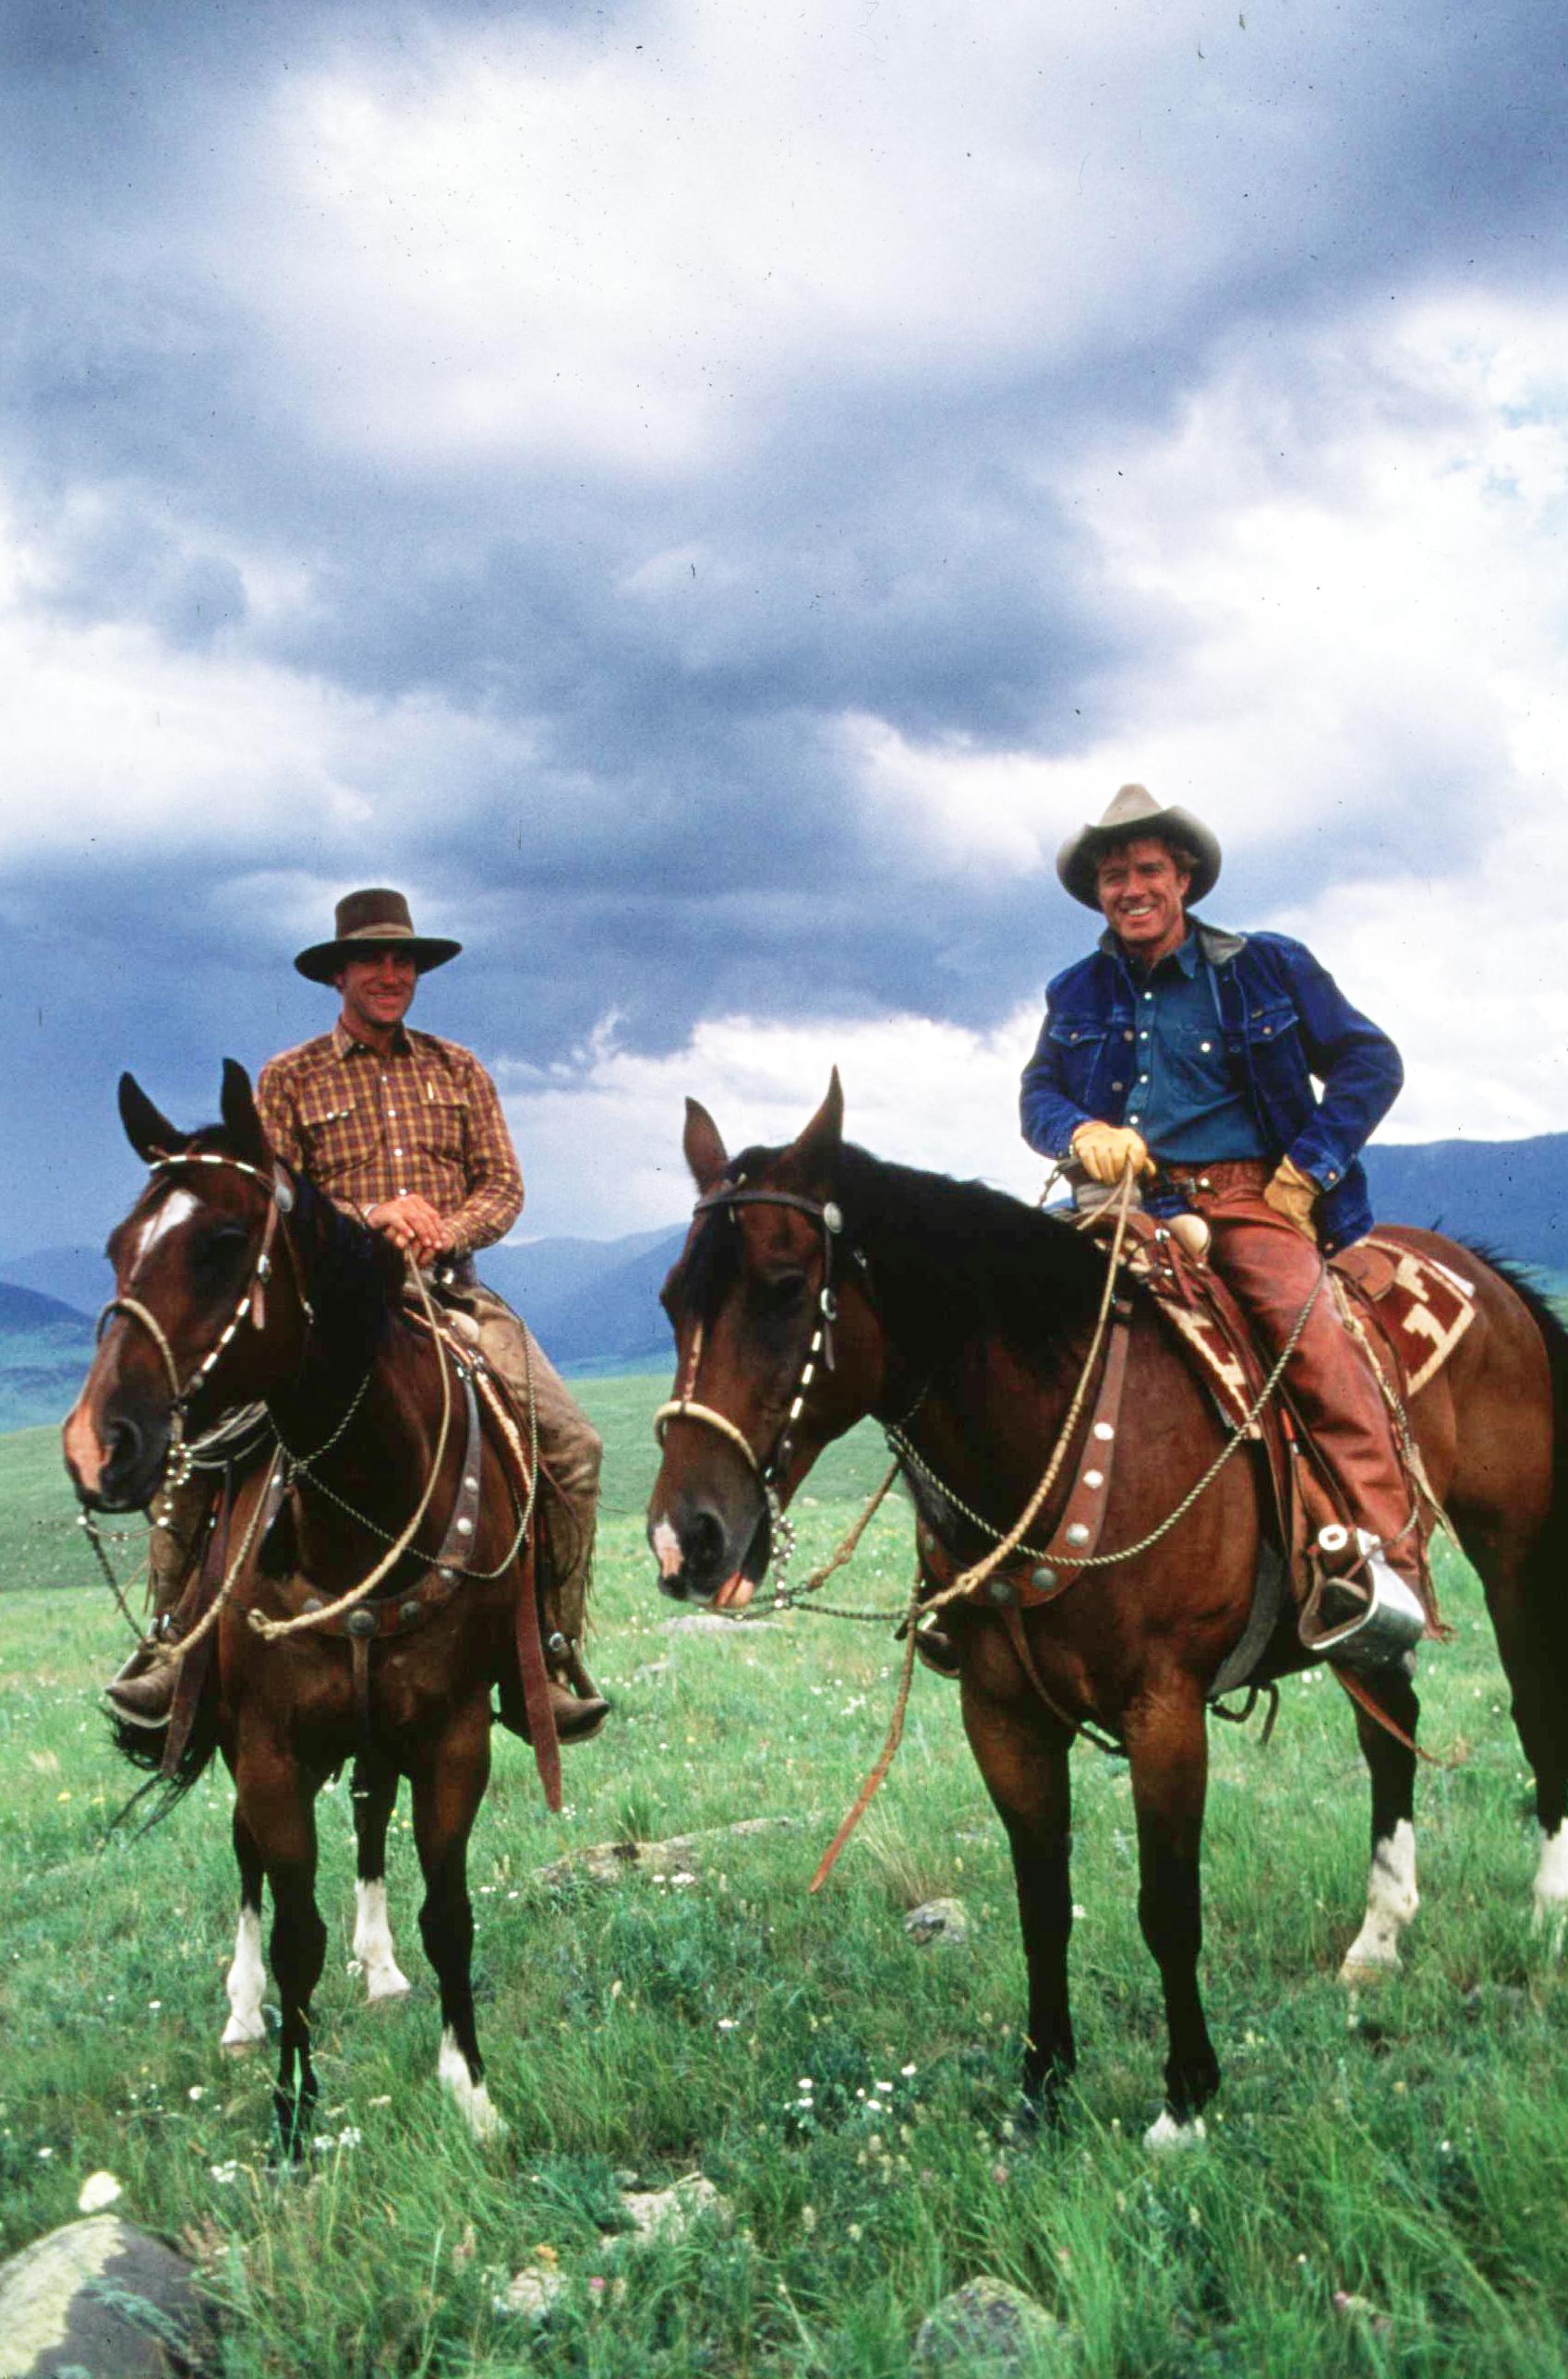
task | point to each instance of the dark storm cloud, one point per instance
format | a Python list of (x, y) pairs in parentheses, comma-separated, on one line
[(665, 822)]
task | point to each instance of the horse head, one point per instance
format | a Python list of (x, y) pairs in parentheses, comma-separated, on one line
[(777, 1352), (190, 1260)]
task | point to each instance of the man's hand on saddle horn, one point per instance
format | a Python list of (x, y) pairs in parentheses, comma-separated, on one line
[(1105, 1150), (411, 1223), (1294, 1194)]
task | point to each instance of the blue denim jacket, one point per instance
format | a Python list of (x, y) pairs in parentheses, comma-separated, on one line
[(1284, 1019)]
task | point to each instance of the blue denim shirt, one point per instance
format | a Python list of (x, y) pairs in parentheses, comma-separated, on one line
[(1284, 1020), (1186, 1101)]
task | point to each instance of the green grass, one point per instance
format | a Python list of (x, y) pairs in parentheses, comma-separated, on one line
[(1413, 2159)]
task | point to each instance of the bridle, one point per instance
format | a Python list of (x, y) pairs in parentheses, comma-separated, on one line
[(769, 1468), (280, 1190)]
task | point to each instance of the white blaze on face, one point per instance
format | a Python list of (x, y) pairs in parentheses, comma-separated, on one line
[(1551, 1887), (246, 1978), (667, 1547), (176, 1208), (384, 1978), (472, 2097), (1391, 1902)]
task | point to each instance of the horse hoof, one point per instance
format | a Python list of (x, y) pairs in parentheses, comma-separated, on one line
[(1168, 2137), (238, 2041), (382, 1989)]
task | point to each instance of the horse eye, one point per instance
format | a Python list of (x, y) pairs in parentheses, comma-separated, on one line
[(781, 1291), (219, 1248)]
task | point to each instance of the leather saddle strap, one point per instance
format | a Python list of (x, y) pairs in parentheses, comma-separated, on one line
[(535, 1679), (457, 1545), (1076, 1533), (194, 1664)]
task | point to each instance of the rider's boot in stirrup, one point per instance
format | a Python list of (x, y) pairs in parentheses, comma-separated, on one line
[(1369, 1616)]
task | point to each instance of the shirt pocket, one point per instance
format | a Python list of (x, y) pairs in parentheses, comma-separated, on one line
[(438, 1126), (1080, 1049), (334, 1135)]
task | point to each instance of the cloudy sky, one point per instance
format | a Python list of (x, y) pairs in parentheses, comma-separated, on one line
[(706, 495)]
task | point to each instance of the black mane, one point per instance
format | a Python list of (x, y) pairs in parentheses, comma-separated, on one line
[(950, 1262)]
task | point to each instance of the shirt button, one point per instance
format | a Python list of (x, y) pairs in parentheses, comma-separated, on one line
[(1127, 1034), (1148, 994), (1118, 1086), (1132, 1119), (1205, 1046), (397, 1152), (1143, 1078), (1142, 1037)]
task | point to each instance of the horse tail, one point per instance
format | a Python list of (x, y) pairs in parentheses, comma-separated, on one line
[(144, 1746)]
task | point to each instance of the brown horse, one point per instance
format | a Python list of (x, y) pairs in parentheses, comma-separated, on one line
[(960, 1319), (237, 1282)]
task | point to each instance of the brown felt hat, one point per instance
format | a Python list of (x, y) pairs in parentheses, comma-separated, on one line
[(1135, 813), (374, 920)]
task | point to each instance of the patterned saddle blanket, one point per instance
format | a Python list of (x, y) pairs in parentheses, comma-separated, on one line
[(1410, 1306)]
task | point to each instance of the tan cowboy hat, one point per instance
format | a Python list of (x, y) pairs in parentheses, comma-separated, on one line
[(372, 920), (1133, 812)]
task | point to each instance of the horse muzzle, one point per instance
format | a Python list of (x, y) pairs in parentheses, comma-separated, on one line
[(116, 1458), (706, 1558)]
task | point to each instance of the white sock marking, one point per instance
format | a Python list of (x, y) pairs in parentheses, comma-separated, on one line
[(472, 2097), (245, 1983), (384, 1978), (1551, 1888), (176, 1208), (1391, 1902), (1167, 2137)]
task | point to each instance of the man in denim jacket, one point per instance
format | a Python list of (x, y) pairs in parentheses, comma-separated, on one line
[(1190, 1053)]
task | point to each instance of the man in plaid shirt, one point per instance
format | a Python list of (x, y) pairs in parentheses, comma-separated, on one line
[(406, 1131)]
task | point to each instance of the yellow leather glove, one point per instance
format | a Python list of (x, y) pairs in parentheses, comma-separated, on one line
[(1294, 1194), (1103, 1150)]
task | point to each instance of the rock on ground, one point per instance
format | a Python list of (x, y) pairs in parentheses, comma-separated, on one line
[(668, 2214), (938, 1920), (714, 1622), (531, 2293), (103, 2298), (606, 1862), (987, 2329)]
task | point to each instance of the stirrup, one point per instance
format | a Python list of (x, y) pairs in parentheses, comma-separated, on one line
[(1392, 1622)]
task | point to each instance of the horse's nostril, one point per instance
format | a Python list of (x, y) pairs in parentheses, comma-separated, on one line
[(703, 1538), (124, 1445)]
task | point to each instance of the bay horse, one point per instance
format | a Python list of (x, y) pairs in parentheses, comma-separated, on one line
[(959, 1319), (237, 1282)]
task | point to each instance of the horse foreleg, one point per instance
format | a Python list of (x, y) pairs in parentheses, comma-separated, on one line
[(246, 1977), (1024, 1763), (373, 1790), (1168, 1744), (277, 1803), (1392, 1897), (447, 1789)]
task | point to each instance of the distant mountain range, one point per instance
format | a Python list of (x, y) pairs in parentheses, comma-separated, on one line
[(594, 1303)]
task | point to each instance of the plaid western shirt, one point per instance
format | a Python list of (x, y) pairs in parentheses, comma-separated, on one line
[(426, 1120)]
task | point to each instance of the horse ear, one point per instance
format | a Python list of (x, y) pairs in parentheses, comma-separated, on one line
[(241, 1121), (814, 1153), (150, 1133), (701, 1147)]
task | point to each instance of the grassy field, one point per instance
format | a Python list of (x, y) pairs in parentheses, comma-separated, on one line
[(1385, 2188)]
